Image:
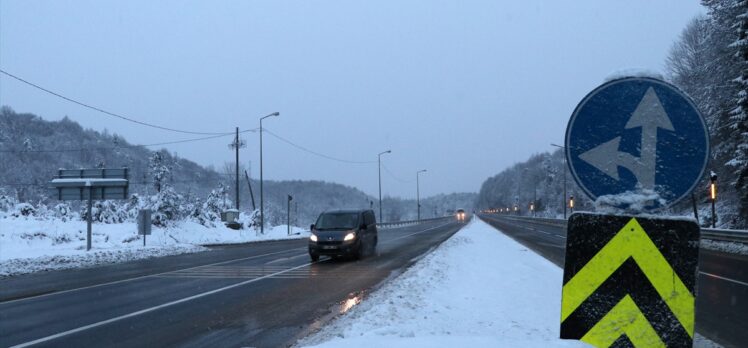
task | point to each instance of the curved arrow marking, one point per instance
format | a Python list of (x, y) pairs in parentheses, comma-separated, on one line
[(649, 115)]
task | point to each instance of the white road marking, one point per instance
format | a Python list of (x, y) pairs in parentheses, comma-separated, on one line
[(724, 278)]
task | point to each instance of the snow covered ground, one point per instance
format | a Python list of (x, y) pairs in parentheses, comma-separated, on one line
[(480, 288), (28, 244)]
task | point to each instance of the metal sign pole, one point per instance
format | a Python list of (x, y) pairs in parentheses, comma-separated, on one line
[(89, 218)]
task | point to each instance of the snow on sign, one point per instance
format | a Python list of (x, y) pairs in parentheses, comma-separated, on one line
[(637, 135), (630, 281)]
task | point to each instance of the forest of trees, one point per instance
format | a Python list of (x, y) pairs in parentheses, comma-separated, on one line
[(32, 149), (710, 63)]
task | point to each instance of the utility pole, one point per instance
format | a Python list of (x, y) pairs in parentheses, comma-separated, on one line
[(236, 168), (251, 194), (379, 163), (418, 193), (262, 196), (288, 214)]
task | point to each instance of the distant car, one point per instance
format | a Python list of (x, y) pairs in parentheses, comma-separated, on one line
[(343, 233), (460, 215)]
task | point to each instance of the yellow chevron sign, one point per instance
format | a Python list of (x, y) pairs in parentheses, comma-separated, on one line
[(629, 281)]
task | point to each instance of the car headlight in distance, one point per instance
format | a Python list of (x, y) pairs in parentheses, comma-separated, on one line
[(313, 237), (349, 236)]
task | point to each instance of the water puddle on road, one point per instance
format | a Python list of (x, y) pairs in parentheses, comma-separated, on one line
[(351, 302)]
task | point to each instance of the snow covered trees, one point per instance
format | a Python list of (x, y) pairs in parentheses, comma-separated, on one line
[(710, 63), (159, 169), (739, 115)]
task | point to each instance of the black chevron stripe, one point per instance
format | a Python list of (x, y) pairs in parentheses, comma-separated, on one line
[(618, 285), (622, 342)]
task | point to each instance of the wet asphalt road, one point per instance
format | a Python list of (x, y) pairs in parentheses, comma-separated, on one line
[(259, 295), (722, 288)]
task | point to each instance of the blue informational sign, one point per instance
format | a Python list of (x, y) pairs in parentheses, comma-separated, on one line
[(637, 137)]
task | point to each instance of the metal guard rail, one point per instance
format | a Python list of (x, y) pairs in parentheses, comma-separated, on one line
[(410, 222), (740, 236)]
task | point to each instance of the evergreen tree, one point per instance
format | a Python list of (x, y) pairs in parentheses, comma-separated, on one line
[(159, 168), (739, 115)]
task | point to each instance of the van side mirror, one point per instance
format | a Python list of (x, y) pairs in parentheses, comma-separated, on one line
[(311, 228), (363, 226)]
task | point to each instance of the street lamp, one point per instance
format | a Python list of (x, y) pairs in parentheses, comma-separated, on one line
[(379, 163), (262, 197), (418, 193), (571, 204), (564, 148)]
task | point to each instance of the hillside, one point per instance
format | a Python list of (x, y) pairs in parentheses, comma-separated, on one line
[(32, 149)]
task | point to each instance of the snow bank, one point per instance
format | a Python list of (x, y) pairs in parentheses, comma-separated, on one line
[(632, 202), (633, 72), (478, 289), (724, 246), (29, 244)]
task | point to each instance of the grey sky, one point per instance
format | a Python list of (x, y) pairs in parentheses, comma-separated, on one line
[(460, 88)]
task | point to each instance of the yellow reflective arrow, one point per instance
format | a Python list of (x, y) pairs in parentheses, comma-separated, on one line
[(624, 318), (631, 241)]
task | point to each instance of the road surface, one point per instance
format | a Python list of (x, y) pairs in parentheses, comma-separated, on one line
[(259, 295)]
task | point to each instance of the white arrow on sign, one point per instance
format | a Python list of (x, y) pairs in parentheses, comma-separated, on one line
[(649, 115)]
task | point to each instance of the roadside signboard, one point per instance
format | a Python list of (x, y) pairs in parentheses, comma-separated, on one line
[(640, 135), (96, 184), (144, 223), (90, 185), (630, 281)]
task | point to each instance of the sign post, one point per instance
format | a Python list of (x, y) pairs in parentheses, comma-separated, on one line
[(634, 145), (144, 223), (89, 185)]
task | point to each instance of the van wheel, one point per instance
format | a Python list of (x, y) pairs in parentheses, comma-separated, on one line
[(359, 252), (314, 257)]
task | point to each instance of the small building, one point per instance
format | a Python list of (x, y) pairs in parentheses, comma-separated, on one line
[(230, 217)]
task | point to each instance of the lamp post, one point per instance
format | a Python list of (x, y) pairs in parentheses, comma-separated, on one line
[(262, 197), (713, 197), (379, 164), (418, 193), (564, 148)]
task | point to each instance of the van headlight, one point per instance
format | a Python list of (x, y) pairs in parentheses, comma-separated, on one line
[(313, 237), (350, 236)]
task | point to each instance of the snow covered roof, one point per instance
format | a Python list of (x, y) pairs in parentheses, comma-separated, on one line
[(95, 182)]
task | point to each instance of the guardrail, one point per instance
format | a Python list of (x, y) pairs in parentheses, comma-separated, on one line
[(410, 222), (740, 236)]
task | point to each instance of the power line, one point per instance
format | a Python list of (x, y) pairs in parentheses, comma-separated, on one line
[(315, 152), (125, 146), (104, 111), (395, 177)]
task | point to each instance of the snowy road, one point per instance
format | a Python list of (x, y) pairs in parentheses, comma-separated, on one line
[(722, 299), (261, 295)]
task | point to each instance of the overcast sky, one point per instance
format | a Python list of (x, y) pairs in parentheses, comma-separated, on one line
[(460, 88)]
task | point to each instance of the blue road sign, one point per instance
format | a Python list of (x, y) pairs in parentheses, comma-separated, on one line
[(637, 135)]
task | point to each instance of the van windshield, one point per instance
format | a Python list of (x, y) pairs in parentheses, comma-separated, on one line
[(337, 220)]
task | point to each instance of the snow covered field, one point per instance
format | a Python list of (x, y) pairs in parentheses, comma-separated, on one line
[(480, 288), (28, 244)]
